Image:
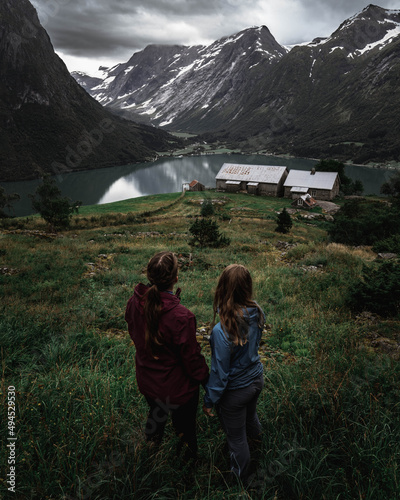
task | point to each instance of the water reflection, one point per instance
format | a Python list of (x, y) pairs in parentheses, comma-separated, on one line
[(121, 189), (167, 176)]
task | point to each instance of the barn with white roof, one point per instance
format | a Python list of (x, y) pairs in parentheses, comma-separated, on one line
[(319, 185), (264, 180)]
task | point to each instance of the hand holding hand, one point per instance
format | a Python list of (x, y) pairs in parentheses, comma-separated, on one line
[(208, 411)]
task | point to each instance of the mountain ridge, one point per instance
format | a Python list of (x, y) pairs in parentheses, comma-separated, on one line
[(48, 123), (321, 98)]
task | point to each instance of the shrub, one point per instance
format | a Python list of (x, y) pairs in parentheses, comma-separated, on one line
[(391, 244), (364, 222), (6, 201), (378, 290), (207, 209), (53, 208), (284, 222), (206, 234)]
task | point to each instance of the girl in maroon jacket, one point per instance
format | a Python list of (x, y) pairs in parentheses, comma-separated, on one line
[(169, 364)]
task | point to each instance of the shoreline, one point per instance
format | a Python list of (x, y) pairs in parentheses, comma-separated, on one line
[(392, 165)]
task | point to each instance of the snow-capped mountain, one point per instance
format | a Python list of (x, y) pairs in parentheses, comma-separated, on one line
[(337, 96), (176, 85), (333, 96)]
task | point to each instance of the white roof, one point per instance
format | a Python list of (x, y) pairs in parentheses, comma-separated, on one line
[(269, 174), (304, 178), (297, 189)]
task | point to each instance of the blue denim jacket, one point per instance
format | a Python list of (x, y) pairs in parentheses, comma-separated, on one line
[(233, 367)]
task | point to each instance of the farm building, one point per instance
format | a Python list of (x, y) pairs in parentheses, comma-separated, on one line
[(196, 186), (193, 186), (264, 180), (319, 185), (304, 201)]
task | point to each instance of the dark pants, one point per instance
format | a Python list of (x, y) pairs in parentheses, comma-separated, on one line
[(183, 419), (237, 412)]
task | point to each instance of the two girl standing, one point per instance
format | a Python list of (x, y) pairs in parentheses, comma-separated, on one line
[(170, 366)]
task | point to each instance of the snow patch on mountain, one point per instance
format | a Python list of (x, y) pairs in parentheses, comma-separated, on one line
[(390, 35)]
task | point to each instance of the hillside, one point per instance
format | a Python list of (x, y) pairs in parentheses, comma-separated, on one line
[(48, 123), (333, 97), (329, 407)]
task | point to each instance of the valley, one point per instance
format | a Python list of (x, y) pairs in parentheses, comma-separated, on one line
[(333, 97), (66, 350)]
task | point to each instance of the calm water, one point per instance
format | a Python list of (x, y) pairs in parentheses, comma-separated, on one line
[(167, 176)]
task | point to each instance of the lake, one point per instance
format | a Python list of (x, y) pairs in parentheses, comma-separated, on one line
[(166, 175)]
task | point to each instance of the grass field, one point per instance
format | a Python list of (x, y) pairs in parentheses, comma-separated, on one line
[(330, 407)]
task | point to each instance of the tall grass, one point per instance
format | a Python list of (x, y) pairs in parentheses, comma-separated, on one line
[(330, 406)]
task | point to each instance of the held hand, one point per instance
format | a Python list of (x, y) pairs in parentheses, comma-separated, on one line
[(208, 411)]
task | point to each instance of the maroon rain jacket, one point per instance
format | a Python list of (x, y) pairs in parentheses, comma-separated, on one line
[(175, 376)]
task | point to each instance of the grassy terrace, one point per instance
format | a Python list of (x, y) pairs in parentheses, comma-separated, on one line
[(330, 407)]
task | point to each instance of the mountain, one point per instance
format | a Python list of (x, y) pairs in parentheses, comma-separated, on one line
[(335, 96), (48, 123), (194, 88)]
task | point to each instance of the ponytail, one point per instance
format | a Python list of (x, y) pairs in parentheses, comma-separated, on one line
[(162, 271), (152, 309)]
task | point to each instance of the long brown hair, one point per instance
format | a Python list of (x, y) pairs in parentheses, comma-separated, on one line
[(233, 294), (162, 271)]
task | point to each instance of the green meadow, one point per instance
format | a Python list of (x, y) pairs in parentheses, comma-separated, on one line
[(330, 408)]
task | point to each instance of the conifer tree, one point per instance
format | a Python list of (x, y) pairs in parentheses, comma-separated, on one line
[(206, 233), (6, 201), (284, 222), (55, 209)]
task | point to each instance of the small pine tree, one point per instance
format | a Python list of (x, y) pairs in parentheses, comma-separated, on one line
[(55, 209), (207, 209), (206, 234), (6, 201), (284, 222)]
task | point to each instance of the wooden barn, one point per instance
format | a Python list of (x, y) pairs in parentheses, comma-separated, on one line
[(196, 186), (304, 201), (264, 180), (193, 186), (319, 185)]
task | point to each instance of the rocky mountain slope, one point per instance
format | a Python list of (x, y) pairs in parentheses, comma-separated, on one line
[(194, 89), (48, 123), (336, 96)]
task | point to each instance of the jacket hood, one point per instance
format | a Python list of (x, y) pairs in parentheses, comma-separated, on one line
[(253, 314), (250, 312), (169, 300)]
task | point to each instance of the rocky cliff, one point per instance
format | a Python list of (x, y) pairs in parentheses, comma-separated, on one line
[(48, 123)]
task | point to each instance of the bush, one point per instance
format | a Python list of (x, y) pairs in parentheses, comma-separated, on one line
[(364, 222), (207, 209), (206, 234), (391, 244), (53, 208), (6, 201), (284, 222), (378, 290)]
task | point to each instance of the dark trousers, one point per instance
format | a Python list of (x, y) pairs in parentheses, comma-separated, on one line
[(237, 413), (183, 419)]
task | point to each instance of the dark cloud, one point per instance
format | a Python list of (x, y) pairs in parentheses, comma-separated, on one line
[(115, 29)]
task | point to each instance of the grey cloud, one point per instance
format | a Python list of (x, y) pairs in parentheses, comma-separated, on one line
[(118, 28)]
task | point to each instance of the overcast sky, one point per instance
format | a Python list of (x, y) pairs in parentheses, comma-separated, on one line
[(90, 33)]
